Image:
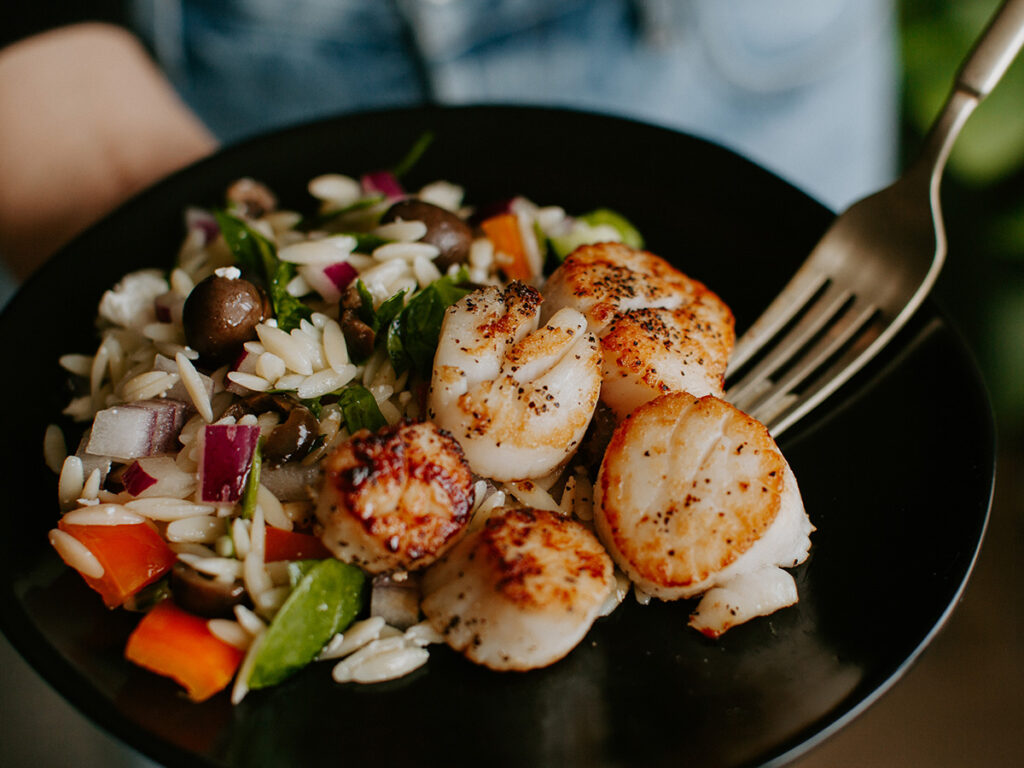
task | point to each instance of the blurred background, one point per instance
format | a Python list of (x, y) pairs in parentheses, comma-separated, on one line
[(961, 704)]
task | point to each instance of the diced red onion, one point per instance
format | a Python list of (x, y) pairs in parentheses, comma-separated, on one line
[(91, 462), (142, 428), (382, 182), (168, 307), (203, 221), (136, 479), (330, 281), (341, 274), (226, 456)]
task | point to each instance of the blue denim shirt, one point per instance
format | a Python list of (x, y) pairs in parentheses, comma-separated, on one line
[(805, 87)]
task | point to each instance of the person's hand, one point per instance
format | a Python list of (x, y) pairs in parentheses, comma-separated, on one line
[(86, 121)]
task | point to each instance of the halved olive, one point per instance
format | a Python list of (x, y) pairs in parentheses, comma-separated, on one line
[(220, 315), (447, 231)]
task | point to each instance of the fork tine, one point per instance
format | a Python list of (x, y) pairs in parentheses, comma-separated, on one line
[(820, 313), (783, 415), (801, 288), (846, 327)]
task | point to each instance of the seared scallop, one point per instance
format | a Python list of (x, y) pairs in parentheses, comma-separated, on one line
[(694, 494), (517, 397), (395, 499), (659, 330), (520, 592)]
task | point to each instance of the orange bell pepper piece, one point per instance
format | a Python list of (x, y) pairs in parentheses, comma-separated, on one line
[(132, 556), (177, 644), (509, 251)]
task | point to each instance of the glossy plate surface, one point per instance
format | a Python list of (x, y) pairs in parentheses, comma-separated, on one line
[(896, 472)]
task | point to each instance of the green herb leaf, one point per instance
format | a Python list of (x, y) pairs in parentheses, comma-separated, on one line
[(414, 154), (366, 242), (360, 409), (388, 311), (413, 334), (323, 219)]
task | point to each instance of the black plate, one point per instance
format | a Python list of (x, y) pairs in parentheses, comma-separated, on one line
[(896, 473)]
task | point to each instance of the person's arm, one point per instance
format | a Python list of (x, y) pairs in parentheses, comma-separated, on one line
[(86, 121)]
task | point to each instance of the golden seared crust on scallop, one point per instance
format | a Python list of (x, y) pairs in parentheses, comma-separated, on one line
[(688, 492), (660, 331), (605, 278), (395, 499), (521, 591), (647, 352)]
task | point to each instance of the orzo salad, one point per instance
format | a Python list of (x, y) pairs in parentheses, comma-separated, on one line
[(400, 420)]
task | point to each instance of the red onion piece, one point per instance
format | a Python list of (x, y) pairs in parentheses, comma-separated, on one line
[(341, 274), (384, 183), (203, 221), (225, 458), (142, 428), (329, 281), (136, 479), (168, 307)]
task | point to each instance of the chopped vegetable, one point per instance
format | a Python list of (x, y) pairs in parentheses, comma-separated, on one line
[(629, 234), (292, 545), (329, 281), (258, 256), (600, 225), (225, 461), (252, 484), (132, 557), (324, 602), (141, 428), (382, 182), (136, 479), (360, 410), (176, 644), (509, 250), (413, 333)]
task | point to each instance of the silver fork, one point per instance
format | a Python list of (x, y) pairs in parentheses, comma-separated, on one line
[(872, 268)]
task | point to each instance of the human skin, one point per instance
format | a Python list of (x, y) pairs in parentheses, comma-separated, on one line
[(86, 121)]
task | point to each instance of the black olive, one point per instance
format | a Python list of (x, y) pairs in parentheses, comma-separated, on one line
[(292, 439), (220, 315), (444, 229), (202, 595)]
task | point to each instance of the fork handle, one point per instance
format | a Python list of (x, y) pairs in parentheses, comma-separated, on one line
[(992, 54), (994, 51)]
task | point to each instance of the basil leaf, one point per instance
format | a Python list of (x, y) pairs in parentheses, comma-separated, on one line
[(413, 334), (388, 311), (253, 252), (360, 410)]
